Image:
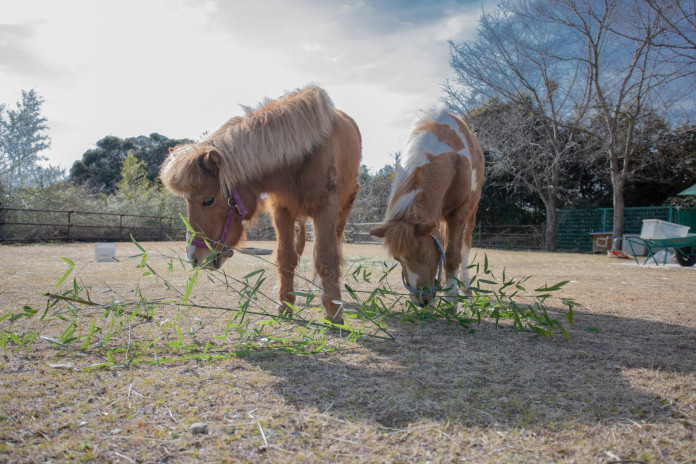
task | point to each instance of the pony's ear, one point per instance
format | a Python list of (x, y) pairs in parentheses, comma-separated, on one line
[(210, 162), (379, 231), (423, 228)]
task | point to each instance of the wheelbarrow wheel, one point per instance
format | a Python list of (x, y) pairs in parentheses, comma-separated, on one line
[(685, 256)]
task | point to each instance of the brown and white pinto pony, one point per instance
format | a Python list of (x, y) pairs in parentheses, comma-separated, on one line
[(299, 157), (433, 202)]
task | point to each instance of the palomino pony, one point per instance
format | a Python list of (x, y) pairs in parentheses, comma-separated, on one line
[(299, 153), (433, 202)]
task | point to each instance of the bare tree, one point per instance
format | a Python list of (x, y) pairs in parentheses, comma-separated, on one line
[(628, 73), (678, 45), (520, 60), (679, 22), (373, 196)]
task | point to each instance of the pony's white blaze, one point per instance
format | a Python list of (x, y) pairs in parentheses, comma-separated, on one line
[(190, 250), (412, 278), (474, 186)]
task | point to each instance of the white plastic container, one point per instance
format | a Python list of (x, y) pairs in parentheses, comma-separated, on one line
[(656, 229), (105, 252)]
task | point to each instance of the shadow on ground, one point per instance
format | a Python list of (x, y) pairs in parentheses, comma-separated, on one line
[(496, 375)]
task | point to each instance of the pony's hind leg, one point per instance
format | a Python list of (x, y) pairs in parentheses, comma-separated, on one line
[(344, 212), (286, 257), (464, 277), (300, 237)]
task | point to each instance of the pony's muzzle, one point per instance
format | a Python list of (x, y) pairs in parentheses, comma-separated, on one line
[(204, 258), (422, 299)]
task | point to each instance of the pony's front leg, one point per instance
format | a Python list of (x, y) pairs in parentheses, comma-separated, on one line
[(453, 260), (286, 258), (327, 261)]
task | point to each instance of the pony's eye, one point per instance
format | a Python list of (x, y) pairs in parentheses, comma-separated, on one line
[(208, 201)]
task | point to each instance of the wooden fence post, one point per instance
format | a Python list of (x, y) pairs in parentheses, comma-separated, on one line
[(69, 223)]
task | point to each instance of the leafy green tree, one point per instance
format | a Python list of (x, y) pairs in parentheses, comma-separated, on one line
[(100, 168), (133, 174), (137, 194), (666, 165)]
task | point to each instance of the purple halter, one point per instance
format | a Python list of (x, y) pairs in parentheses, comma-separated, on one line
[(236, 208)]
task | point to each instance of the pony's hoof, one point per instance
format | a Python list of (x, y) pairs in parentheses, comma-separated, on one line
[(284, 310), (452, 297), (338, 321), (335, 319)]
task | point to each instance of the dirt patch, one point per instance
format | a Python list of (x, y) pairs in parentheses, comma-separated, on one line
[(623, 387)]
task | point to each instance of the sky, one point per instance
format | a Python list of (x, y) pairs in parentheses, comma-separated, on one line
[(182, 68)]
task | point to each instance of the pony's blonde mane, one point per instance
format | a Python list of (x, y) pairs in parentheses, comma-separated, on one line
[(277, 134)]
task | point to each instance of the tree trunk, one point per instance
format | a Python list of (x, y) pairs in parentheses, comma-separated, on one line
[(618, 183), (551, 224)]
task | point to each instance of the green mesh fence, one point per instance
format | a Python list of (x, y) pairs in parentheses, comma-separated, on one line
[(575, 226)]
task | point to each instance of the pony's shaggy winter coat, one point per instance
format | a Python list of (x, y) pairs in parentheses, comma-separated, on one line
[(435, 194), (276, 135), (299, 157)]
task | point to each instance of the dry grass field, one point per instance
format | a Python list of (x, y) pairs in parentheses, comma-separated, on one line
[(622, 389)]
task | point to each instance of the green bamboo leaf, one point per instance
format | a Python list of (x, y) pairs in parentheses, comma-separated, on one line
[(303, 295), (88, 338), (97, 366), (179, 334), (68, 332), (539, 331), (252, 274), (29, 311), (136, 243), (552, 288), (189, 285), (187, 225), (65, 276)]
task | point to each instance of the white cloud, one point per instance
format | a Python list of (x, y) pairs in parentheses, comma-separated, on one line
[(133, 67)]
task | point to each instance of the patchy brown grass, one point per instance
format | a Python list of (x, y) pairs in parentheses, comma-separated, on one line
[(623, 389)]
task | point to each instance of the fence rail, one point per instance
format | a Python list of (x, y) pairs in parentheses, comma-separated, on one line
[(38, 225), (43, 225), (530, 237)]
